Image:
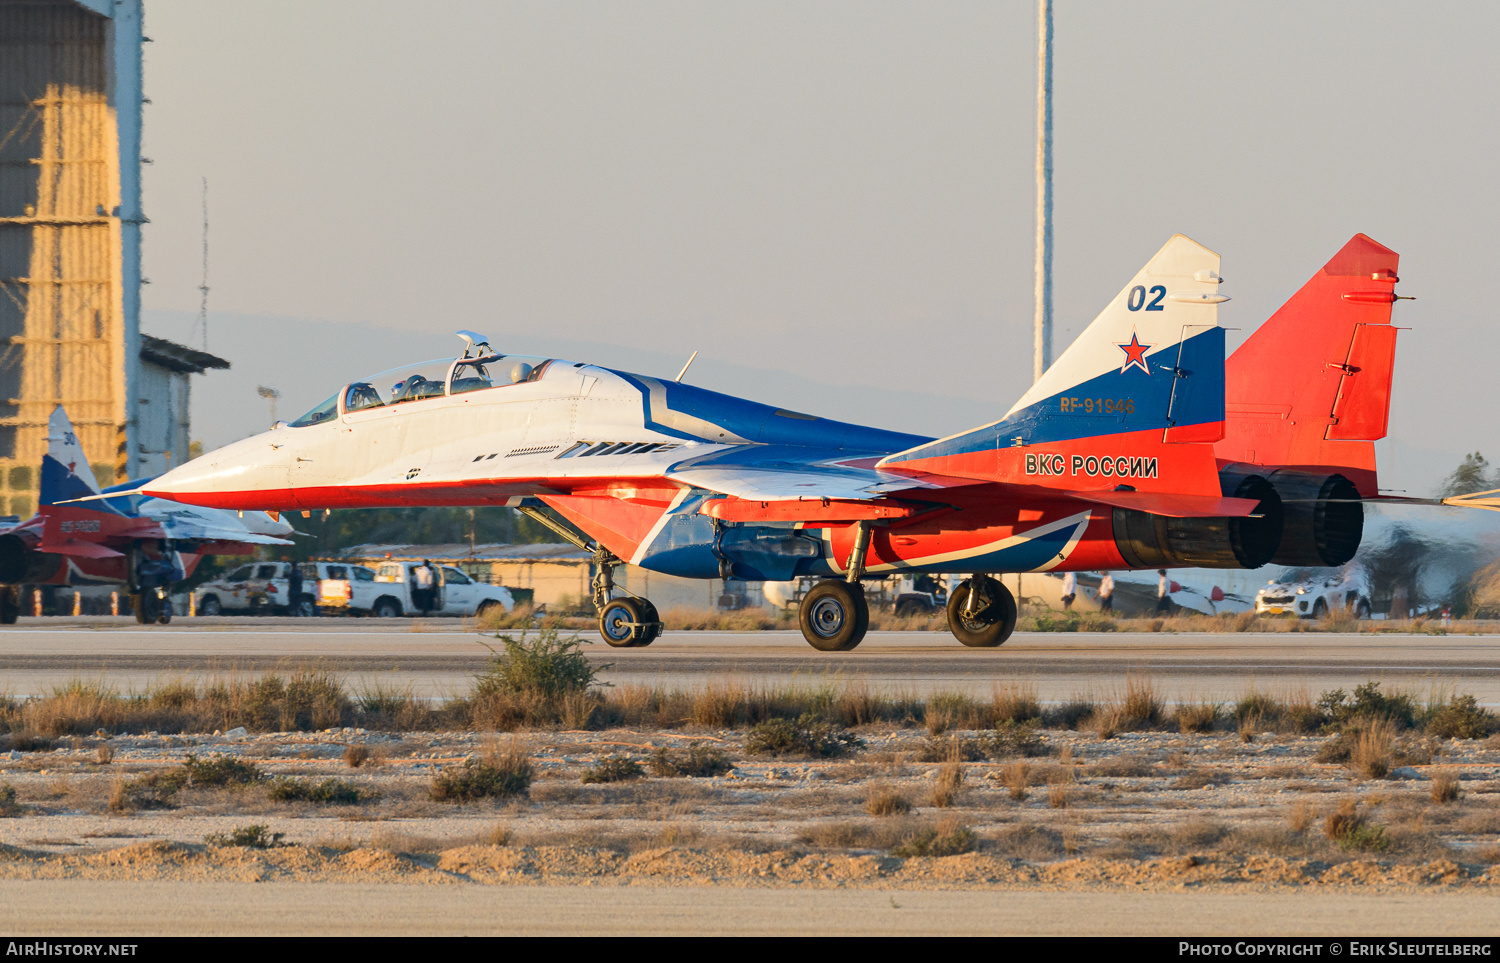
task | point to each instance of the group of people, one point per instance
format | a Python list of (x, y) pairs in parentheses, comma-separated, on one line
[(1164, 589)]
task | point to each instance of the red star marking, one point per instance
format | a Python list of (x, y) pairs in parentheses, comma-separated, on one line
[(1135, 354)]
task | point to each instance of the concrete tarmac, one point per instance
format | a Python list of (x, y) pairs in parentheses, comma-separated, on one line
[(124, 909), (439, 658)]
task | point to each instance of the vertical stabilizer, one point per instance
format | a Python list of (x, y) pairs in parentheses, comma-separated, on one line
[(65, 469), (1311, 388), (1142, 387)]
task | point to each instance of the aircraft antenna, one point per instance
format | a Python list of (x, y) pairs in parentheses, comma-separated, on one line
[(689, 364)]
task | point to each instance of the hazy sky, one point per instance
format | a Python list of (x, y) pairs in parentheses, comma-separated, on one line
[(829, 200)]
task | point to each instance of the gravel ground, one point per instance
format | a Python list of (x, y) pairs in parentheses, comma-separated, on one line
[(1140, 809)]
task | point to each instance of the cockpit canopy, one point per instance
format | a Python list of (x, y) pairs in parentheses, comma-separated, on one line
[(429, 379)]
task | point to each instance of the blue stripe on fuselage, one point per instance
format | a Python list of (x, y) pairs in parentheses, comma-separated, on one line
[(758, 423), (1075, 413)]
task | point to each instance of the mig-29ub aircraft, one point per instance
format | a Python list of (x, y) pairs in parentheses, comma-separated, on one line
[(1107, 462), (117, 536)]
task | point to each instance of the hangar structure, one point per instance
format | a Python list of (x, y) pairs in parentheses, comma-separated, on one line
[(70, 250)]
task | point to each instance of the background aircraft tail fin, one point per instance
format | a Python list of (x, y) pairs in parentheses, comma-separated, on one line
[(1142, 385), (1311, 388), (65, 469)]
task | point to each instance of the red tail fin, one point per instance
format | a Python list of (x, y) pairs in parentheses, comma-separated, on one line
[(1311, 389)]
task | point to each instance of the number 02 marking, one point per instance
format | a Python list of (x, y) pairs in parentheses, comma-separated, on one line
[(1137, 298)]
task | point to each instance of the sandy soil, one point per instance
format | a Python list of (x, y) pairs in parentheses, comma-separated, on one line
[(1141, 811)]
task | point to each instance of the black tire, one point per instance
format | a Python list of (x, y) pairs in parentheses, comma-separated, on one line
[(620, 623), (652, 632), (386, 608), (1320, 609), (210, 606), (834, 616), (485, 608), (1362, 609), (993, 620), (10, 606), (304, 608), (144, 604)]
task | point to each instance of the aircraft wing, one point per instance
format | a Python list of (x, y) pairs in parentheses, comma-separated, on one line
[(846, 488), (760, 473), (210, 525)]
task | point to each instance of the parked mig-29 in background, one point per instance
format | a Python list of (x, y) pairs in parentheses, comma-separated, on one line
[(1120, 456), (128, 538)]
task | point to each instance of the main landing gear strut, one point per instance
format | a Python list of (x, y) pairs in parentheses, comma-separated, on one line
[(631, 622), (981, 612), (834, 616)]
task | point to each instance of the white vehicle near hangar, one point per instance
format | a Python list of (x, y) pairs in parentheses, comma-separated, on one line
[(388, 590), (1314, 593), (342, 588)]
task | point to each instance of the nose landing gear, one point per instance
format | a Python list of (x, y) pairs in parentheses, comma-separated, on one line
[(981, 612)]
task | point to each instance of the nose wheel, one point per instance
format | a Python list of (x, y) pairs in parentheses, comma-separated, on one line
[(981, 612), (629, 623), (834, 616)]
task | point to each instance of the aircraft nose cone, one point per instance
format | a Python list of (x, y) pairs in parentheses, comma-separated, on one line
[(247, 475)]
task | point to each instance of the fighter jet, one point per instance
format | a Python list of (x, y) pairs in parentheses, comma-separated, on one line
[(1111, 460), (118, 536)]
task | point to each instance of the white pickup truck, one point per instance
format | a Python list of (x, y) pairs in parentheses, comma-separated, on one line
[(262, 588), (386, 592)]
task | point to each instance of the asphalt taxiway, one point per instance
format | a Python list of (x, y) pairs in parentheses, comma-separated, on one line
[(440, 657)]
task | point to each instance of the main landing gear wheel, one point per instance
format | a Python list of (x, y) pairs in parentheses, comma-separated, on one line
[(629, 623), (10, 605), (834, 616), (991, 619)]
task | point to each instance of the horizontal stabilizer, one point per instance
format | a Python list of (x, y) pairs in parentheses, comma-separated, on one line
[(78, 549)]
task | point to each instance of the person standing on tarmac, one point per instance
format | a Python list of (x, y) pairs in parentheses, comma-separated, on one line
[(293, 588), (1107, 593), (1070, 591), (1163, 593), (422, 586)]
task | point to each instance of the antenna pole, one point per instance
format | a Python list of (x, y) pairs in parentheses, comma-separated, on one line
[(203, 287), (1042, 358)]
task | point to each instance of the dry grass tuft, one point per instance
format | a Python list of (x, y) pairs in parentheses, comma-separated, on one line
[(886, 801), (1445, 787), (1017, 778), (1196, 717), (1057, 795), (1371, 755), (1302, 816), (356, 756), (950, 780), (1351, 829), (103, 754)]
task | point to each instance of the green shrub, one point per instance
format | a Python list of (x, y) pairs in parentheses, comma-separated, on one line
[(1369, 703), (1010, 738), (288, 789), (550, 666), (478, 780), (696, 761), (806, 736), (613, 769), (942, 840), (249, 837), (219, 771), (8, 804), (1462, 718)]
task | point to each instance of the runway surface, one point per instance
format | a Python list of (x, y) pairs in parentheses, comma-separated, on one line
[(439, 658), (83, 907)]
